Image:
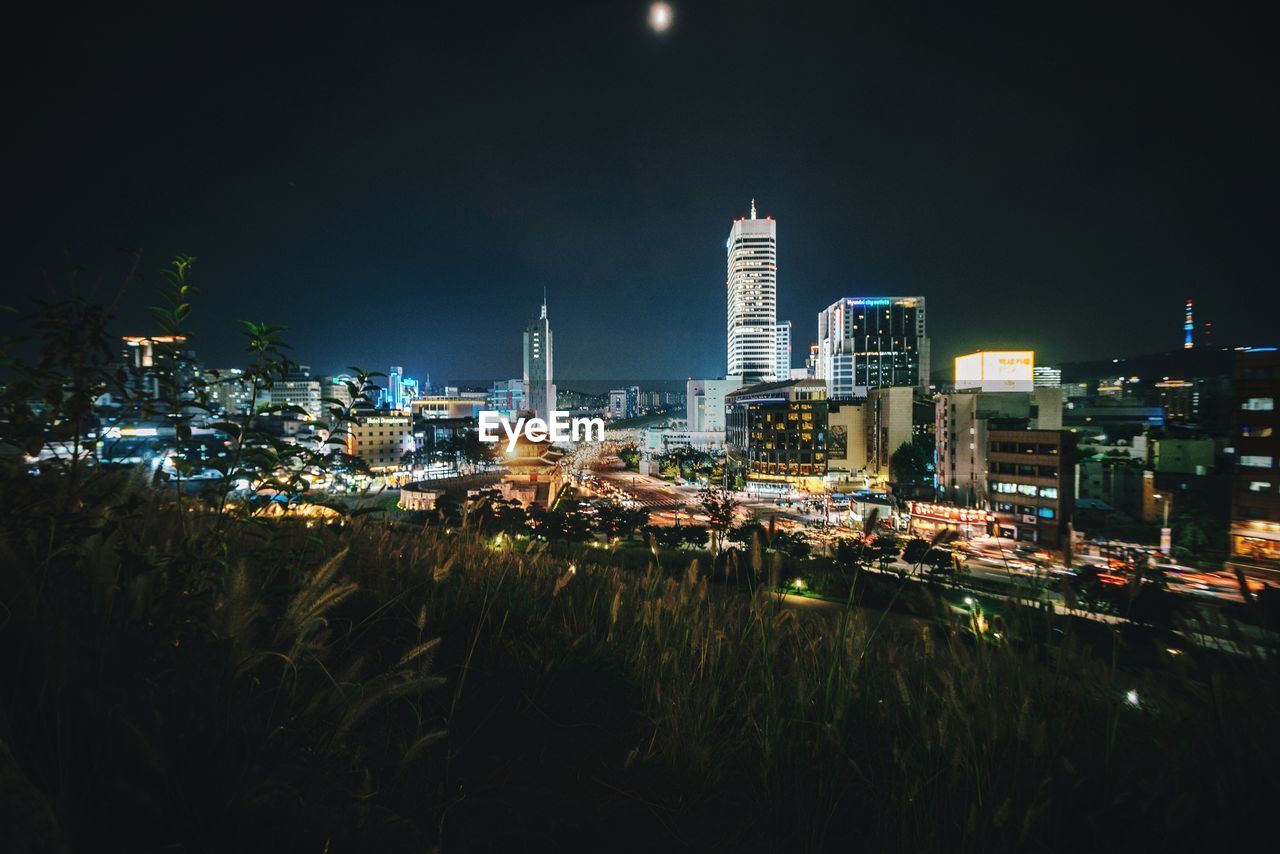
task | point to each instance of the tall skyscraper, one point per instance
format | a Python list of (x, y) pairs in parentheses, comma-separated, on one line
[(539, 386), (752, 286), (1188, 327), (876, 342)]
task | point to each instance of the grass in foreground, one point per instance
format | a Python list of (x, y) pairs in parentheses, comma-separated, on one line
[(176, 682)]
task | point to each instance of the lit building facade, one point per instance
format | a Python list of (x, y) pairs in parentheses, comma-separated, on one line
[(1180, 400), (300, 389), (624, 403), (381, 441), (154, 363), (873, 342), (1031, 484), (539, 382), (1255, 493), (394, 398), (228, 392), (962, 420), (506, 397), (928, 520), (777, 432), (448, 407), (752, 291)]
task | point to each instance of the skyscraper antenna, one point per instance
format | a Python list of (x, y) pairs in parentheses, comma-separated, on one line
[(544, 302), (753, 208)]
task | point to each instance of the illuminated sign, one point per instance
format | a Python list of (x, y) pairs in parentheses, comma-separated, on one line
[(996, 370), (946, 512), (118, 432)]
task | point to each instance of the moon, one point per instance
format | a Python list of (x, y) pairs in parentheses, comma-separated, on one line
[(660, 17)]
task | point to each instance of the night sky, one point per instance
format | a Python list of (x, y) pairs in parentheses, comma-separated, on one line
[(399, 186)]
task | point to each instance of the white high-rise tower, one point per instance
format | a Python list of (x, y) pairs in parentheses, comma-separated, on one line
[(752, 286), (539, 387)]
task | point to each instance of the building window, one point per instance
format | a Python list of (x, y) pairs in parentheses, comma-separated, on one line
[(1259, 486), (1251, 432), (1256, 461), (1259, 404), (1048, 492), (1046, 513)]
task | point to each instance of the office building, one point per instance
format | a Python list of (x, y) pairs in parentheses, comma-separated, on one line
[(1180, 400), (862, 435), (704, 402), (847, 454), (539, 382), (962, 420), (298, 389), (338, 391), (1255, 490), (873, 342), (394, 397), (506, 397), (752, 291), (1031, 484), (158, 365), (776, 434), (782, 349), (228, 392), (624, 403), (890, 424)]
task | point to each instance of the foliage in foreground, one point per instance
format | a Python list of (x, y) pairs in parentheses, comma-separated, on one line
[(280, 686)]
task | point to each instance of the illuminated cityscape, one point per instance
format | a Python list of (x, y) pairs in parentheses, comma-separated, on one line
[(961, 532)]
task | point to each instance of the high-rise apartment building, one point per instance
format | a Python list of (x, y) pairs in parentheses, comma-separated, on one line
[(752, 286), (539, 385), (872, 342)]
